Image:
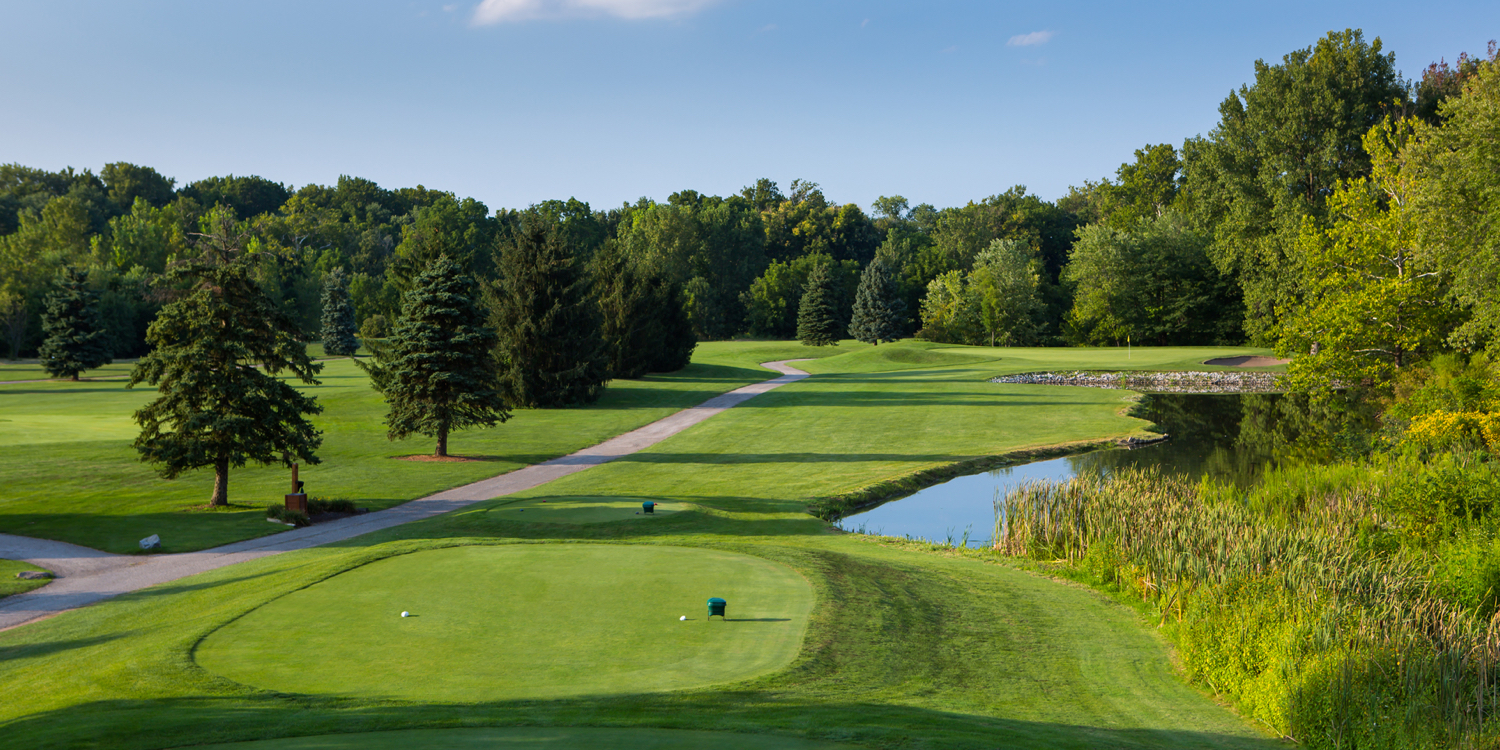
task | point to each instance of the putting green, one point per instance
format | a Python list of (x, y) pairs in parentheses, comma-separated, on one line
[(530, 738), (582, 510), (520, 621)]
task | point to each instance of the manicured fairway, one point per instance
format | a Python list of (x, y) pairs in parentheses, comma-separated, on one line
[(67, 470), (907, 646), (531, 738), (586, 510), (521, 621)]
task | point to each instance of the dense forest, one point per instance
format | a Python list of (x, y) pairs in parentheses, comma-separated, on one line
[(1272, 229)]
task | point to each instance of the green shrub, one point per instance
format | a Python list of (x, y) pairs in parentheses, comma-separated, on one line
[(1298, 602), (318, 505), (1467, 572), (280, 513), (1432, 501)]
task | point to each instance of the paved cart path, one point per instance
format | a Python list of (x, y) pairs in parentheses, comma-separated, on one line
[(87, 576)]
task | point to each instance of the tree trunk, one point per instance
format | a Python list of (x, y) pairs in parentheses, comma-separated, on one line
[(221, 483), (442, 445), (75, 377)]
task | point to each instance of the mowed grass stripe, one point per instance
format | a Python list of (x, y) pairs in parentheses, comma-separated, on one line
[(67, 471), (904, 648), (526, 621)]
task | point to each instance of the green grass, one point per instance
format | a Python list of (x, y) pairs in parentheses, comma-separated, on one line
[(904, 647), (587, 510), (521, 621), (31, 369), (10, 584), (67, 470), (529, 738), (1007, 360)]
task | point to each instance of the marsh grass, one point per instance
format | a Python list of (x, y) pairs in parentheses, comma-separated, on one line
[(1296, 599)]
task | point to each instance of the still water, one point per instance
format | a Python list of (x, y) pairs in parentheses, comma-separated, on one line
[(1229, 437)]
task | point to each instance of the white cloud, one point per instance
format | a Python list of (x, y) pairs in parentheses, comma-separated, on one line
[(501, 11), (1029, 40)]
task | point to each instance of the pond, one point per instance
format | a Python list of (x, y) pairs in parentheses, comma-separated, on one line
[(1229, 437)]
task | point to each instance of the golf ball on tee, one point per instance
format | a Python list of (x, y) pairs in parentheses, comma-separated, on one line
[(680, 619), (405, 614)]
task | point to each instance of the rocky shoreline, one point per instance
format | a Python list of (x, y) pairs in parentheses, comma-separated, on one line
[(1154, 382)]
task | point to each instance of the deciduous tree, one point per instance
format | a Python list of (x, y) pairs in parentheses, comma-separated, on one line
[(1152, 283), (1457, 201), (1373, 301), (1005, 281), (1280, 148)]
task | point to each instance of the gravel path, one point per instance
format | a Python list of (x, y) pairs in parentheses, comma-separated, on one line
[(87, 576)]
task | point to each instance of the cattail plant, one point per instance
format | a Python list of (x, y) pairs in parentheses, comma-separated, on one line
[(1371, 655)]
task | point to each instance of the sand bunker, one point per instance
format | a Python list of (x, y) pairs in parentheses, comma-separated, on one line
[(1246, 361)]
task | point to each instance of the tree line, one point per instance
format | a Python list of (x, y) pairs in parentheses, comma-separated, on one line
[(1337, 211)]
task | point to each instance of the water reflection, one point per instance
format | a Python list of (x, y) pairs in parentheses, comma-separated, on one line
[(1207, 437), (1232, 438)]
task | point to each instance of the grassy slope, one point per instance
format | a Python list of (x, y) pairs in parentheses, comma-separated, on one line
[(521, 621), (10, 584), (904, 649), (67, 470)]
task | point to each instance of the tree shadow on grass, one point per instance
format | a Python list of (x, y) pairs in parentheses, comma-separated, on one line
[(13, 391), (173, 722), (852, 398), (46, 648), (169, 588), (648, 457)]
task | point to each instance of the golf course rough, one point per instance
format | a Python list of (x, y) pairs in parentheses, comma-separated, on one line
[(520, 621)]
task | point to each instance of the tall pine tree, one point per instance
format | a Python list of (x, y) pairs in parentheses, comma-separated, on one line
[(437, 370), (551, 351), (75, 337), (817, 316), (646, 323), (338, 316), (879, 311), (216, 354)]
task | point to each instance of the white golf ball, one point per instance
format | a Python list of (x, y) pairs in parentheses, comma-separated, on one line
[(405, 614), (684, 617)]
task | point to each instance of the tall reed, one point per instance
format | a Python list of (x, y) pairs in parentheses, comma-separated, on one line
[(1292, 607)]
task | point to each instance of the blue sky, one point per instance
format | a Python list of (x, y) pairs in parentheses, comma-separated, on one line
[(517, 101)]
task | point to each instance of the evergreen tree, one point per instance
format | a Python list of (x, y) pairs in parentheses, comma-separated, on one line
[(645, 316), (76, 339), (437, 371), (216, 354), (879, 311), (338, 316), (551, 350), (817, 315)]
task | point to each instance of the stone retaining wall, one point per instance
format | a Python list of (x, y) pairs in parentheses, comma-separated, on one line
[(1156, 382)]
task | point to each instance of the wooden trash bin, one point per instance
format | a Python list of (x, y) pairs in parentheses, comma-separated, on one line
[(297, 501)]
